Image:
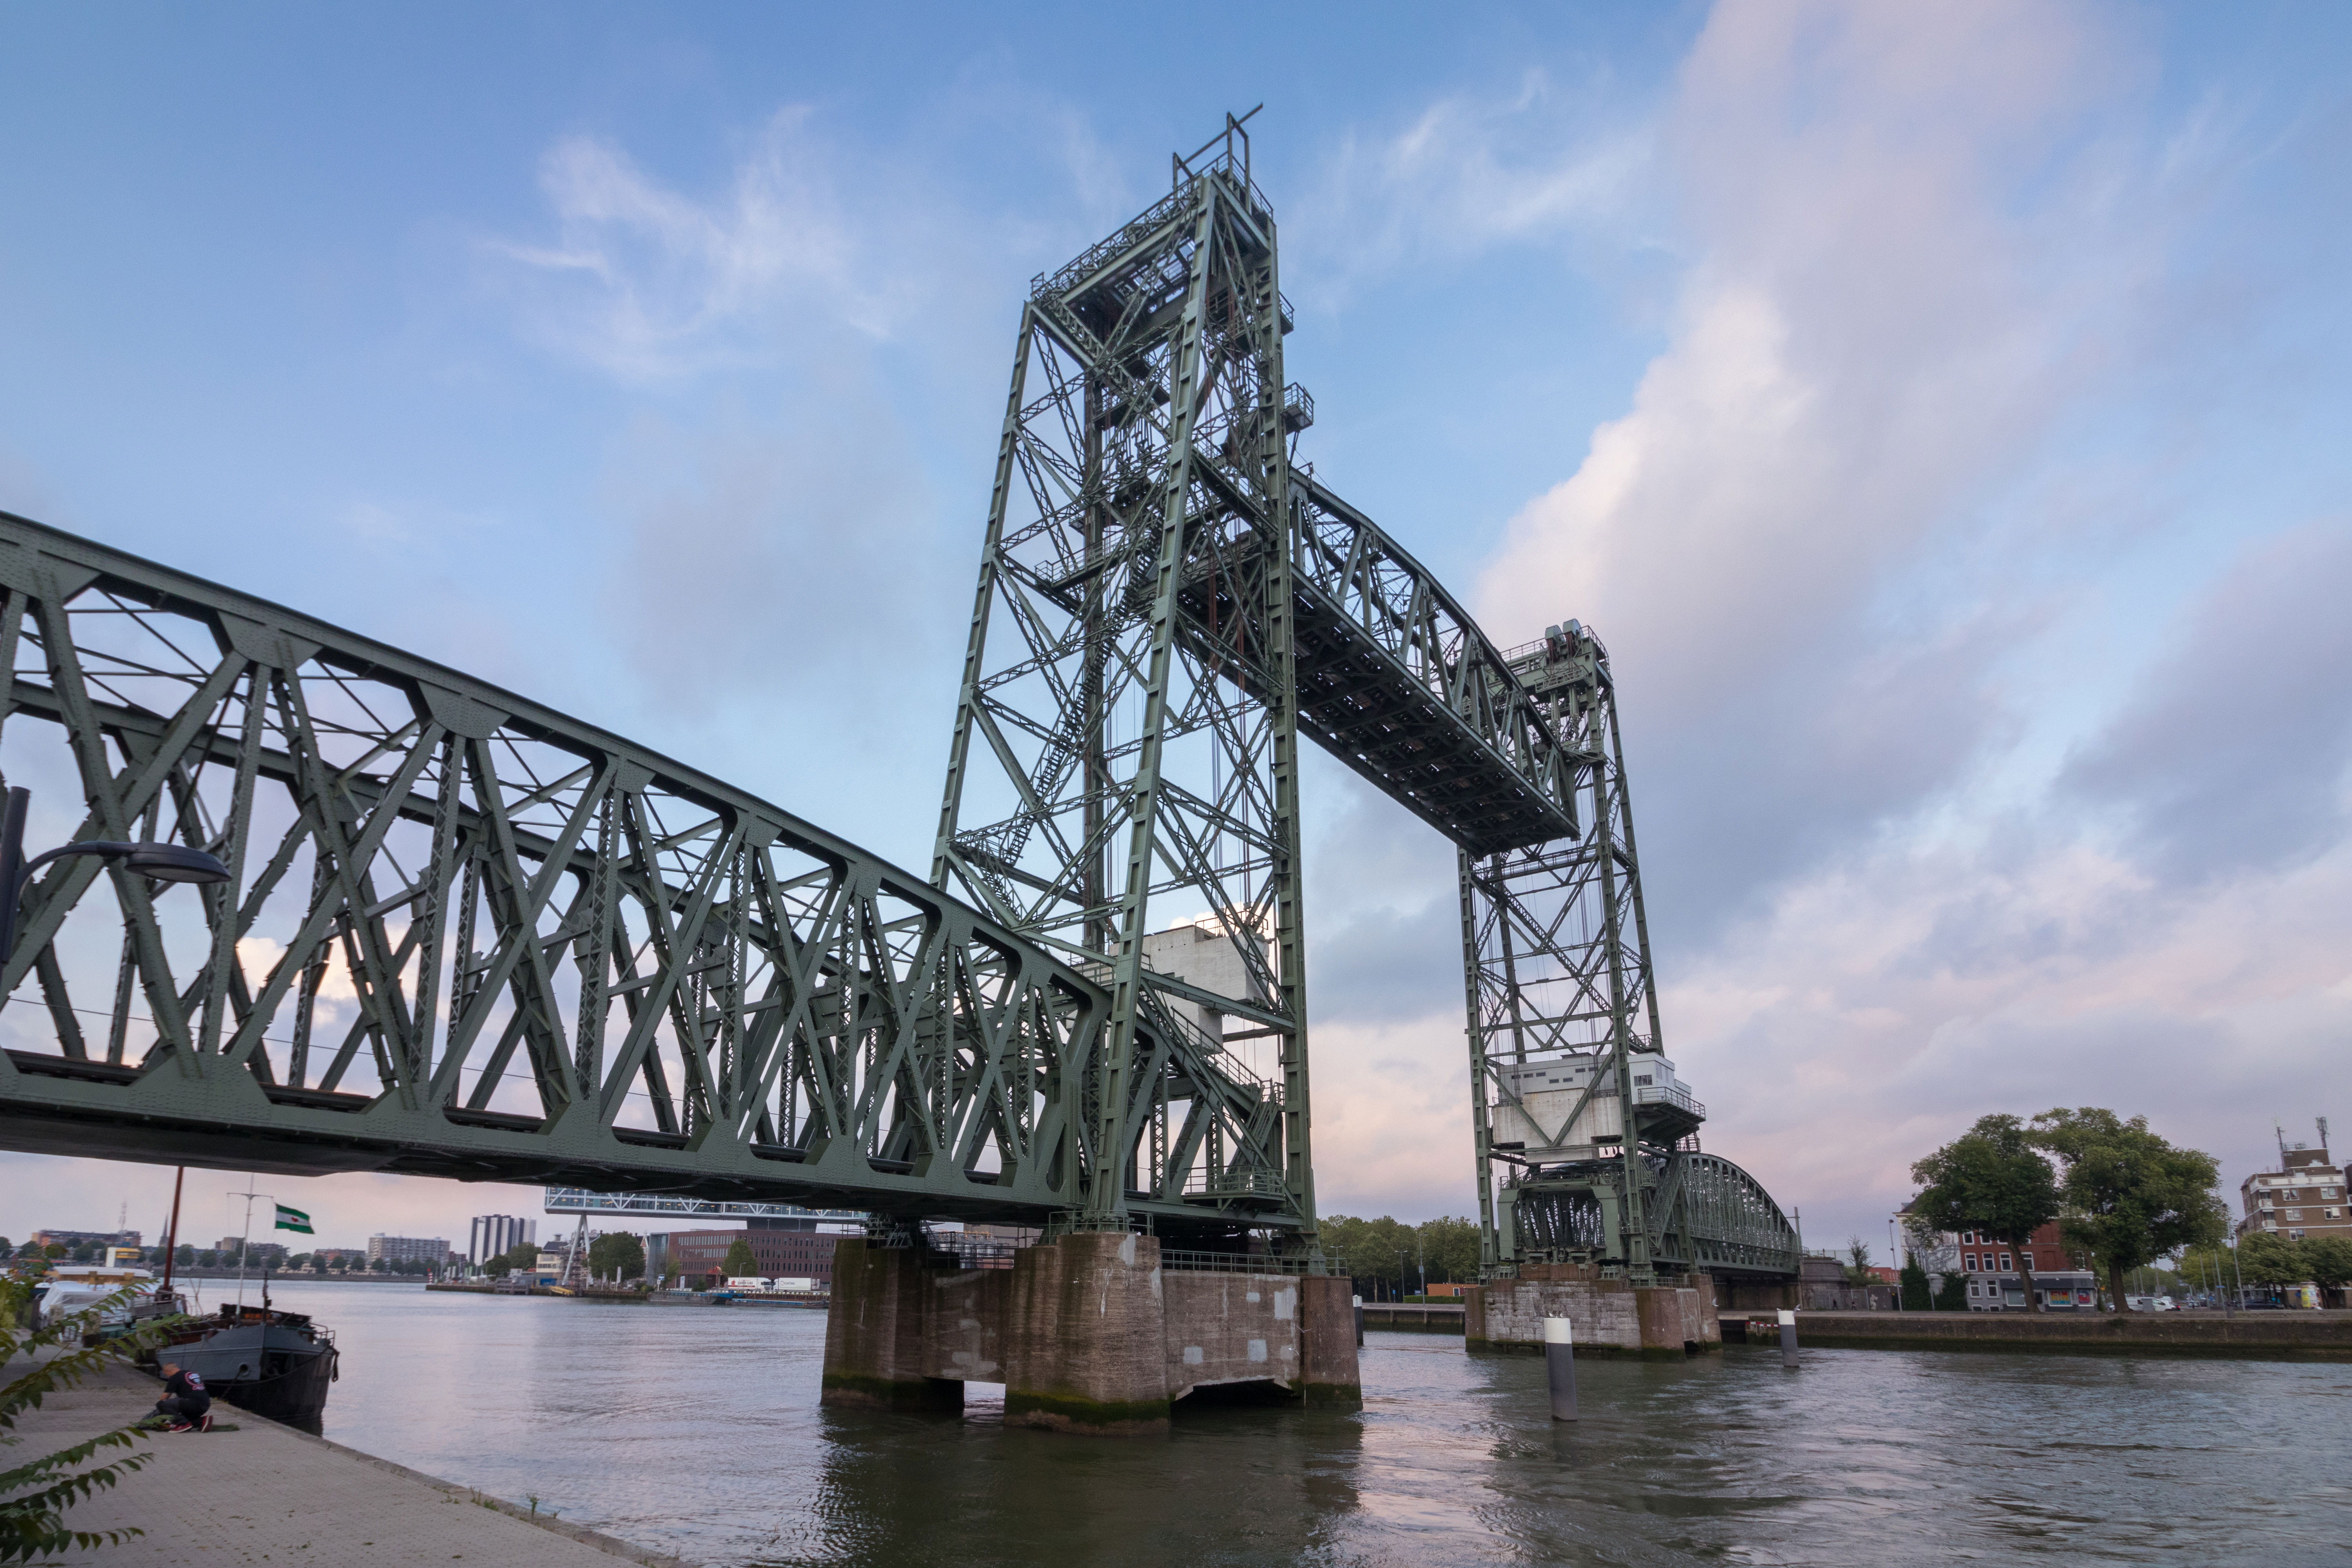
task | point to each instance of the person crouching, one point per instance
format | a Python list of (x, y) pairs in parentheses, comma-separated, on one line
[(187, 1405)]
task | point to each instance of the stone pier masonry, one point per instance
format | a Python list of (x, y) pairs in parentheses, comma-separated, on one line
[(1611, 1316), (1087, 1333)]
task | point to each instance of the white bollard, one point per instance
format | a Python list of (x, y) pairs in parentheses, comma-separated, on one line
[(1560, 1364), (1788, 1339), (1358, 1302)]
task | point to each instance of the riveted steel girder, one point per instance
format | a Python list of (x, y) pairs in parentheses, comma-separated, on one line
[(467, 936), (1703, 1213), (1127, 728)]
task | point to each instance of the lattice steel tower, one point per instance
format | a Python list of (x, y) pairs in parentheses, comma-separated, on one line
[(1572, 1094), (1127, 733)]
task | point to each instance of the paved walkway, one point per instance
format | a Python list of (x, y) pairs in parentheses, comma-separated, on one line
[(267, 1493)]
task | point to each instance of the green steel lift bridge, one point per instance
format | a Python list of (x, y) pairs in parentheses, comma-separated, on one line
[(467, 936)]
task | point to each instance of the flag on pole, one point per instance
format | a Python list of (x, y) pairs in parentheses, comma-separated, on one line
[(294, 1219)]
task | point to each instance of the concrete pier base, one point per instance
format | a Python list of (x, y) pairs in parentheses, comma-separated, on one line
[(1675, 1318), (879, 1335), (1087, 1333)]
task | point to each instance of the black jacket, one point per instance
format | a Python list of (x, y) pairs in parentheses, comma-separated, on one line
[(189, 1388)]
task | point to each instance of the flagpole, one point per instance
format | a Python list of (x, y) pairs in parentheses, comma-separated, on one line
[(245, 1246), (172, 1232)]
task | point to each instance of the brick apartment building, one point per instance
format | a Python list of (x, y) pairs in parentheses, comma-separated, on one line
[(2304, 1197), (785, 1248), (1990, 1269), (2061, 1278)]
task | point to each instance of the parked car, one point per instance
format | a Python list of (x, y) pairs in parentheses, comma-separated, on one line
[(2151, 1303)]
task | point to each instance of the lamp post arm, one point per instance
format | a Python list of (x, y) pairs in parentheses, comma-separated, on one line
[(12, 887)]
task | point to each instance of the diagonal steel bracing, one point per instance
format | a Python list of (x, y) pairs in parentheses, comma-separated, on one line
[(1128, 725), (1557, 969), (467, 936)]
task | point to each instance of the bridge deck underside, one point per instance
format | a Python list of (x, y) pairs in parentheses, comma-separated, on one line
[(1364, 709), (92, 1110), (1360, 704)]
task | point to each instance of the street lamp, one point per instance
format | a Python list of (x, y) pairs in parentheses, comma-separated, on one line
[(156, 862)]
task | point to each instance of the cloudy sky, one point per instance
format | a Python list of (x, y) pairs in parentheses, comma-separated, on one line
[(1941, 411)]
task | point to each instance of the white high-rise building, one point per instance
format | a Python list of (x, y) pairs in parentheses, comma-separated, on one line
[(408, 1249), (496, 1233)]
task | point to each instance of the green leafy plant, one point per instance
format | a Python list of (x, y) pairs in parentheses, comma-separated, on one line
[(740, 1263), (1991, 1179), (1915, 1294), (36, 1494), (2130, 1196), (617, 1256)]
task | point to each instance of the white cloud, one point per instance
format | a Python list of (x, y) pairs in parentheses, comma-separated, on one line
[(1468, 173), (650, 283), (1836, 543)]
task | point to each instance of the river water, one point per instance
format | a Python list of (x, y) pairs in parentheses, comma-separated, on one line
[(696, 1430)]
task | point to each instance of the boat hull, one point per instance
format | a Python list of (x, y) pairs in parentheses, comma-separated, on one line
[(272, 1369)]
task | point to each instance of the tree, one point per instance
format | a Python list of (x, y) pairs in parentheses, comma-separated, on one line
[(619, 1255), (1449, 1249), (2267, 1259), (2330, 1260), (1991, 1179), (740, 1264), (1954, 1296), (1857, 1262), (186, 1255), (514, 1258), (35, 1496), (1916, 1295), (2130, 1196)]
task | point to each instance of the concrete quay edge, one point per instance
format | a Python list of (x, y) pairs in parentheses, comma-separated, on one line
[(121, 1378), (612, 1546), (2314, 1336)]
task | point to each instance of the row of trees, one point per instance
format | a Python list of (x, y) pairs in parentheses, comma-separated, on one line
[(619, 1256), (1395, 1258), (2264, 1259), (190, 1256), (2120, 1192)]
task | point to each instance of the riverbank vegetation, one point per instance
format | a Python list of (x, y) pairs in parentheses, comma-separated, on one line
[(2124, 1197), (1390, 1260)]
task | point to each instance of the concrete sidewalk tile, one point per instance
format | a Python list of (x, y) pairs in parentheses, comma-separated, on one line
[(267, 1493)]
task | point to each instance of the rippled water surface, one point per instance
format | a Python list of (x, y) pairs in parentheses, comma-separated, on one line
[(697, 1431)]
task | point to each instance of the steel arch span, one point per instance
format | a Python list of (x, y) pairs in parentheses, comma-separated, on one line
[(1703, 1213)]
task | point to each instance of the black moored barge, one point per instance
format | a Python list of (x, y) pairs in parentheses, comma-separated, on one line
[(274, 1364)]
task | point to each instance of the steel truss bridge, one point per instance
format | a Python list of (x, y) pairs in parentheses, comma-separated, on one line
[(467, 936)]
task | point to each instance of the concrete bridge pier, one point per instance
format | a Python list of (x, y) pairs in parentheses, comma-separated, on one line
[(1087, 1333), (1674, 1318)]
